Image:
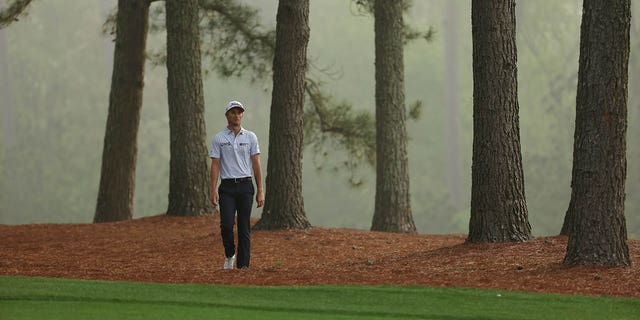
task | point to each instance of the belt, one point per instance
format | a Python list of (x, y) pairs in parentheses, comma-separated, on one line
[(236, 180)]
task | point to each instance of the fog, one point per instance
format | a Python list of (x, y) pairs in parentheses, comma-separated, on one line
[(55, 74)]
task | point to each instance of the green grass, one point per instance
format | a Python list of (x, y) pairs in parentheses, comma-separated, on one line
[(43, 298)]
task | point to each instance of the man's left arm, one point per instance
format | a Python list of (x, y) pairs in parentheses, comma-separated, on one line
[(257, 172)]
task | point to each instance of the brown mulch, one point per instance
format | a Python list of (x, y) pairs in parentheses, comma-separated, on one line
[(189, 250)]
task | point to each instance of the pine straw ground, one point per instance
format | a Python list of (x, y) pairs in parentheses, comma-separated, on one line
[(189, 250)]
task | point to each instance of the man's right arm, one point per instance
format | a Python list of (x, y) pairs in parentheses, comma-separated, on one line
[(215, 170)]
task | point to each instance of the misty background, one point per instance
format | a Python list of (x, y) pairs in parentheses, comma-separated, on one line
[(55, 74)]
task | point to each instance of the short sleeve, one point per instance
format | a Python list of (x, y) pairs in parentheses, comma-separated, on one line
[(255, 147), (214, 152)]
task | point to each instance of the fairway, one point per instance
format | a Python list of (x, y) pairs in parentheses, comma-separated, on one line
[(47, 298)]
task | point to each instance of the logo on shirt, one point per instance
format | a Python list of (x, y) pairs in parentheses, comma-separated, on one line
[(225, 144), (242, 144)]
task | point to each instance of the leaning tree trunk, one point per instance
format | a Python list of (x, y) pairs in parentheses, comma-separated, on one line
[(392, 201), (597, 230), (498, 206), (284, 206), (189, 185), (117, 178)]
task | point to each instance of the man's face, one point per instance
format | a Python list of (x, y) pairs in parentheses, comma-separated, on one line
[(234, 116)]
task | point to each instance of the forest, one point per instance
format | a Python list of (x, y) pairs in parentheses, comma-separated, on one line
[(55, 74)]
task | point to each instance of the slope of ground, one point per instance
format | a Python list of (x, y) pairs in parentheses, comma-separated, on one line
[(189, 250)]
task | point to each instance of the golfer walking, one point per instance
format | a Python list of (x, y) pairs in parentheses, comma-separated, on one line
[(235, 157)]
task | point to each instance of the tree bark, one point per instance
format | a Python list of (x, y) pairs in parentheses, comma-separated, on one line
[(189, 185), (284, 206), (595, 219), (117, 178), (498, 205), (392, 201)]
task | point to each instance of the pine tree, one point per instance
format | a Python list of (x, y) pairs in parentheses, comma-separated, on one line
[(189, 185), (117, 178), (284, 206), (498, 205), (595, 219), (392, 200)]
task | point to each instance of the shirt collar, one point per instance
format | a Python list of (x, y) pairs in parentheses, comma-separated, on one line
[(229, 132)]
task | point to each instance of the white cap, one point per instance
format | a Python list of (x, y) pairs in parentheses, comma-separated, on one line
[(233, 104)]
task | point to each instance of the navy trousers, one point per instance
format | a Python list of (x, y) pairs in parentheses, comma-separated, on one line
[(236, 197)]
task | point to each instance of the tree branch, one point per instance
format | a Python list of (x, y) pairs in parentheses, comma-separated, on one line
[(237, 20), (12, 12)]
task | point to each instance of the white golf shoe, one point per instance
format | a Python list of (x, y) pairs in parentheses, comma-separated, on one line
[(229, 262)]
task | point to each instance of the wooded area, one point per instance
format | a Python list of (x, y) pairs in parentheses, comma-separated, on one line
[(543, 105)]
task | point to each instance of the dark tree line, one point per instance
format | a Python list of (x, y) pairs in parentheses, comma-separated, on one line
[(595, 219), (188, 186)]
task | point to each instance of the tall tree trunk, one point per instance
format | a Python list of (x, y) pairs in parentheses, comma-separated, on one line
[(392, 202), (498, 205), (189, 185), (597, 227), (117, 178), (284, 206), (451, 61)]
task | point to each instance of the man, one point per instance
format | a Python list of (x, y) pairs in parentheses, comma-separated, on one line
[(235, 156)]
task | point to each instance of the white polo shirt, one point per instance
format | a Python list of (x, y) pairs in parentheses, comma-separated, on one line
[(235, 152)]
